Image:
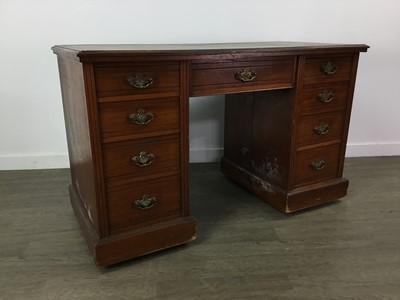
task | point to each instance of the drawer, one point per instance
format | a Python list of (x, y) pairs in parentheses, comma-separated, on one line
[(320, 128), (228, 77), (138, 118), (144, 203), (137, 158), (327, 69), (317, 164), (137, 79), (324, 98)]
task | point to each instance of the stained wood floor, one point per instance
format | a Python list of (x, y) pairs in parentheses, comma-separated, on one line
[(245, 249)]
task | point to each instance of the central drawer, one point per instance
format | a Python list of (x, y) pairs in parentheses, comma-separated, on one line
[(230, 77)]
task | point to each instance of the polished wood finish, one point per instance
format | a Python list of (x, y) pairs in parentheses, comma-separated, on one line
[(112, 80), (287, 116), (221, 77), (123, 212), (115, 124), (118, 157), (319, 128), (336, 94)]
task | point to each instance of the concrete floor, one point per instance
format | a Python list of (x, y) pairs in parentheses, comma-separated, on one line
[(245, 249)]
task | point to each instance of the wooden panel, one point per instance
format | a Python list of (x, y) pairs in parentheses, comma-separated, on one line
[(313, 72), (79, 137), (123, 212), (113, 80), (222, 78), (272, 135), (308, 133), (258, 133), (239, 128), (115, 123), (310, 99), (118, 162), (304, 174)]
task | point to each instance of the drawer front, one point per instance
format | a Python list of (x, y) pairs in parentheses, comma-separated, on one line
[(137, 79), (144, 203), (138, 117), (327, 69), (136, 158), (320, 128), (238, 76), (325, 98), (317, 164)]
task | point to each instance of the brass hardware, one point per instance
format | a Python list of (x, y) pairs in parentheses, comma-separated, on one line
[(140, 81), (326, 96), (246, 75), (329, 68), (146, 202), (141, 117), (322, 128), (143, 159), (318, 165)]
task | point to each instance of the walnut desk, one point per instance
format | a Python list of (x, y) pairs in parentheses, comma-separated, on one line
[(126, 112)]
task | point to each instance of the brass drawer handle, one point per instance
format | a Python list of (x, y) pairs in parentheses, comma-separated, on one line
[(146, 202), (326, 96), (143, 159), (140, 81), (246, 75), (318, 165), (322, 128), (141, 117), (329, 68)]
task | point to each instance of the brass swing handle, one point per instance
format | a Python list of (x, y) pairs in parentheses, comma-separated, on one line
[(329, 68), (322, 128), (143, 159), (146, 202), (318, 165), (326, 96), (141, 117), (246, 75), (140, 81)]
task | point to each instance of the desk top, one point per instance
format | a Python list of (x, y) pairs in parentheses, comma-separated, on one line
[(94, 52)]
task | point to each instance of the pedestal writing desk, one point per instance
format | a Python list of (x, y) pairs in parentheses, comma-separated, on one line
[(287, 112)]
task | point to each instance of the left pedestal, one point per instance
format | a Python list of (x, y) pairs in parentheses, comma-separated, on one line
[(129, 163)]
